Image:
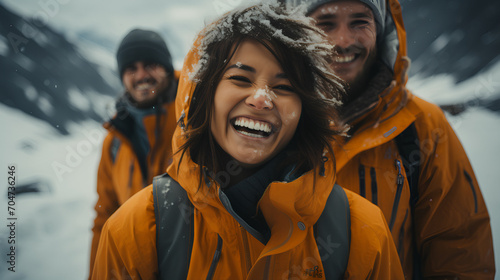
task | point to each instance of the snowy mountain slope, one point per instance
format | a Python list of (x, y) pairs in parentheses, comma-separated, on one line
[(455, 41), (47, 77), (106, 22), (482, 90), (449, 36)]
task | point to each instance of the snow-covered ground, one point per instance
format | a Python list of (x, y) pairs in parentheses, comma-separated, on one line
[(52, 232)]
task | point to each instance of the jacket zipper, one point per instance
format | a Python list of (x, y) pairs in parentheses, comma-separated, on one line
[(400, 246), (399, 182), (244, 237), (322, 168), (225, 202), (362, 185), (158, 136), (216, 258), (469, 178), (131, 174), (373, 175), (267, 268)]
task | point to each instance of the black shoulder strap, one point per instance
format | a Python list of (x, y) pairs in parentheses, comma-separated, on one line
[(174, 227), (409, 148), (333, 234), (113, 149)]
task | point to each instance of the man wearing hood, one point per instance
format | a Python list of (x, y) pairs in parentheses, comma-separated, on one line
[(138, 144), (401, 153)]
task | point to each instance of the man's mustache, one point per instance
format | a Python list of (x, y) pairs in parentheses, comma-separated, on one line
[(146, 80), (349, 50)]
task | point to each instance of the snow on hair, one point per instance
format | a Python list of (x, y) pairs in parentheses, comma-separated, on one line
[(311, 41)]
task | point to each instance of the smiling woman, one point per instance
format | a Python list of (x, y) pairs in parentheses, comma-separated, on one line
[(257, 108)]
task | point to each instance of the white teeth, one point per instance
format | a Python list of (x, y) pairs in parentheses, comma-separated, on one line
[(251, 134), (143, 86), (254, 125), (344, 59)]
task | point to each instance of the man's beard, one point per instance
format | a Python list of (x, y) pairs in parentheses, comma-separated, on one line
[(357, 86), (158, 99), (146, 104)]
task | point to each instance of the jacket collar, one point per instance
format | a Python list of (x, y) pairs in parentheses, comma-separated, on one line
[(354, 110), (128, 118)]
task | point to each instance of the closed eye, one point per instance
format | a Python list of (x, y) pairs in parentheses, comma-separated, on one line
[(284, 87), (130, 68), (359, 23), (326, 25), (239, 79)]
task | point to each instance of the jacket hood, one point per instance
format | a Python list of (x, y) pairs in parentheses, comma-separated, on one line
[(393, 55), (284, 204)]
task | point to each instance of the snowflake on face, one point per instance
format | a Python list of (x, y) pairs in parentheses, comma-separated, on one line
[(267, 93)]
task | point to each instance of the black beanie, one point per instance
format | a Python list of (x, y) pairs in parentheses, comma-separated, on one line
[(143, 45)]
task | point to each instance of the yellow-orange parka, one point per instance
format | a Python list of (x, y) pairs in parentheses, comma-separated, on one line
[(450, 223)]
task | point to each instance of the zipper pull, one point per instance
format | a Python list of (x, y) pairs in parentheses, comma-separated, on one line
[(206, 176), (400, 179), (180, 121), (322, 168)]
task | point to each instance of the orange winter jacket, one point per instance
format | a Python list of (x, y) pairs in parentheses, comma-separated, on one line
[(127, 249), (120, 174), (449, 224)]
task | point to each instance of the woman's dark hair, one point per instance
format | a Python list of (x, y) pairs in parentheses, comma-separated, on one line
[(303, 54)]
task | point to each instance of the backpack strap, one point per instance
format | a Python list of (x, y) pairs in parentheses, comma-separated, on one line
[(333, 234), (408, 145), (174, 227)]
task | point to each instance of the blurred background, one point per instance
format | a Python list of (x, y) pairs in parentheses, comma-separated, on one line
[(58, 83)]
